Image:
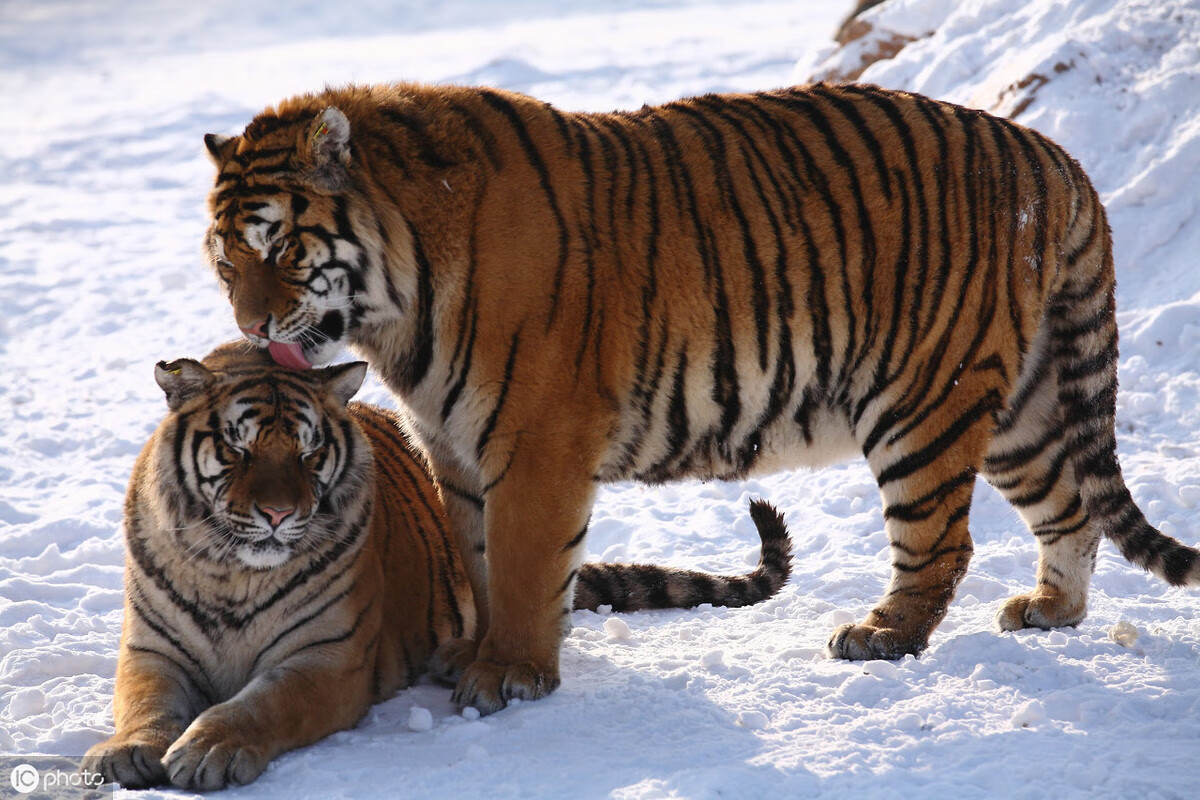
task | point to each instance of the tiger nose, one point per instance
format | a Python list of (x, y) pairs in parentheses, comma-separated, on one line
[(257, 329), (276, 515)]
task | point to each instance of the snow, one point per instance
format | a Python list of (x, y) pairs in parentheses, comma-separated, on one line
[(101, 214)]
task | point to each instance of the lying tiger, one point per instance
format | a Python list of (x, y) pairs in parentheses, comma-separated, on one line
[(716, 287), (289, 565)]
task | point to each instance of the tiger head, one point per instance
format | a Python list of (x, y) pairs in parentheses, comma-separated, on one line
[(267, 456), (292, 240)]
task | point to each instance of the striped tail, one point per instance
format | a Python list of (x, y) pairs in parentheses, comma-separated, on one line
[(633, 587), (1083, 319)]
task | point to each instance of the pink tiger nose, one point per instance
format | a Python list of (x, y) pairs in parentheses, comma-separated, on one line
[(257, 329), (276, 515)]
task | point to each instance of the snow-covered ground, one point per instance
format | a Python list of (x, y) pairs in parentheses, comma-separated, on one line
[(102, 183)]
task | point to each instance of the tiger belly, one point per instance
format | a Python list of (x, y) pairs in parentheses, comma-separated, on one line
[(822, 437)]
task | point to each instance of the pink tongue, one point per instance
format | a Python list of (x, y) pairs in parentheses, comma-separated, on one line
[(289, 354)]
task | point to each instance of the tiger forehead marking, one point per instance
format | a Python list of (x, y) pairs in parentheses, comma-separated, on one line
[(249, 417)]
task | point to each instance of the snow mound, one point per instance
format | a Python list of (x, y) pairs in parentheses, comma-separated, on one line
[(102, 199)]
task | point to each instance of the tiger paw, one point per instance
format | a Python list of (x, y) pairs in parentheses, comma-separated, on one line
[(863, 642), (204, 760), (1039, 610), (132, 763), (488, 687), (451, 659)]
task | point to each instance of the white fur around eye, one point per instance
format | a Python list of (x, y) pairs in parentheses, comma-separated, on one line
[(258, 235)]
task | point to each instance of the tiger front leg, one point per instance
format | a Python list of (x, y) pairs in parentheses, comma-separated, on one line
[(153, 701), (289, 706), (536, 518), (927, 496)]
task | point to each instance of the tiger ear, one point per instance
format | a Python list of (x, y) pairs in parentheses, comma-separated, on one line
[(343, 380), (326, 150), (182, 380), (220, 147)]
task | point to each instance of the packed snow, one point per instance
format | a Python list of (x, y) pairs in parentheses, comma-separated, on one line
[(104, 179)]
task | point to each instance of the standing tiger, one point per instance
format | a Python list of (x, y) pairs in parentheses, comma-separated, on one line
[(289, 565), (712, 288)]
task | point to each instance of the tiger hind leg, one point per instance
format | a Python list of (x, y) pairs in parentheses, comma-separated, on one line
[(1055, 453), (1030, 462)]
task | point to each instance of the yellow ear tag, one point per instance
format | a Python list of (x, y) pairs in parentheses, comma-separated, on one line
[(321, 131), (175, 371)]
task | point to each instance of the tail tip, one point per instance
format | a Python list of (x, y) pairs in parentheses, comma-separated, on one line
[(769, 521), (762, 511)]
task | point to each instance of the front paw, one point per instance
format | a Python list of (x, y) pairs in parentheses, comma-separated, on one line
[(134, 762), (488, 686), (864, 642), (451, 659), (209, 757)]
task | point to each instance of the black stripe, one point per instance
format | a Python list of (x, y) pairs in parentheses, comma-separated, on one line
[(339, 638), (585, 232), (567, 583), (506, 109), (724, 368), (144, 559), (997, 463), (677, 425), (173, 639), (919, 459), (576, 540), (415, 367), (464, 368), (804, 105), (930, 503), (354, 532), (509, 367), (849, 110), (484, 136), (719, 157), (417, 130), (784, 382), (296, 625), (418, 492)]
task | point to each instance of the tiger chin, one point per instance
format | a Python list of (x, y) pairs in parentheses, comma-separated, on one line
[(716, 287), (289, 564)]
